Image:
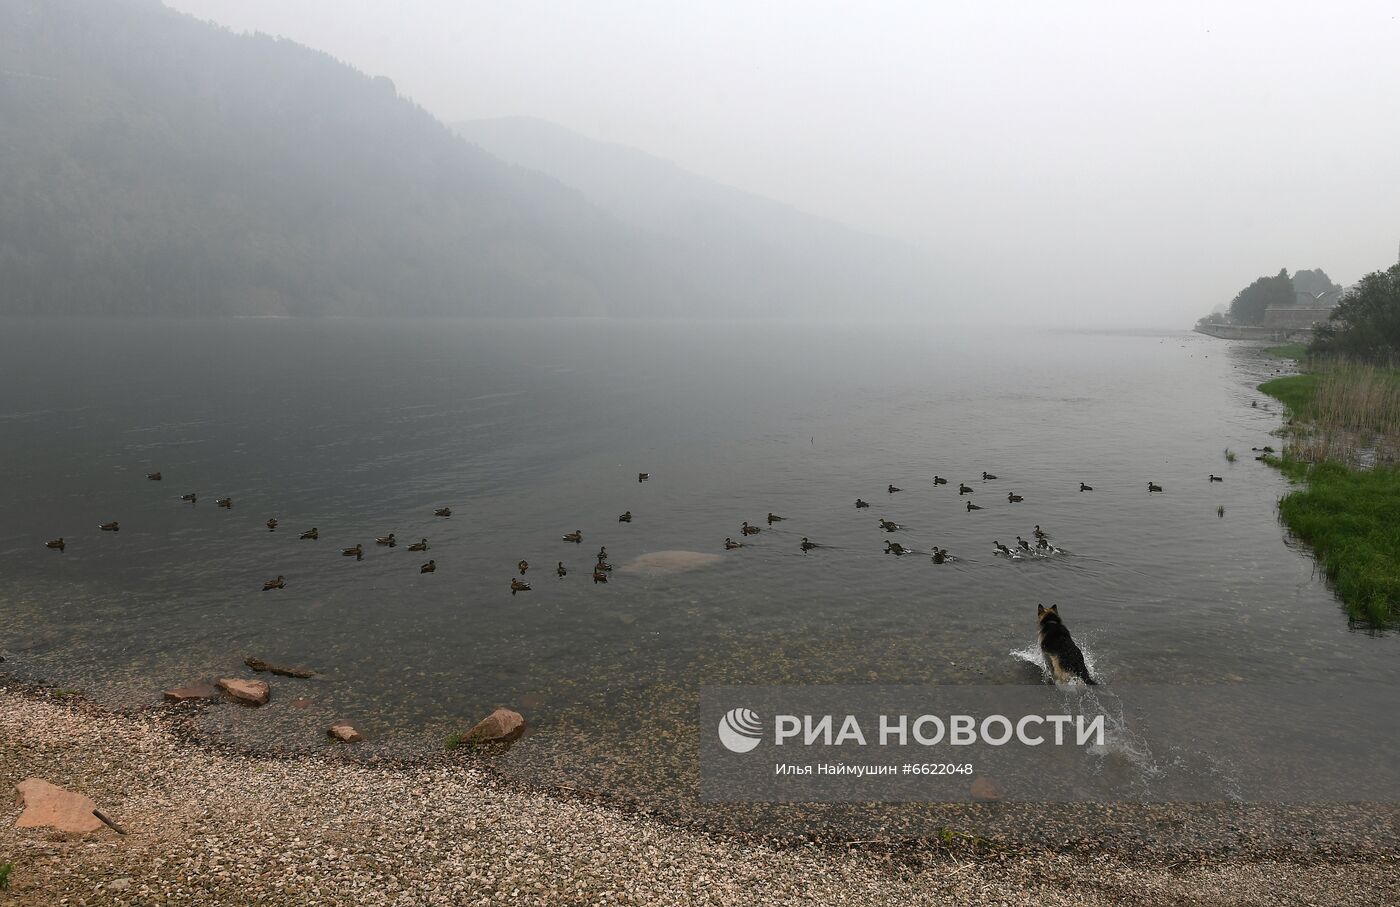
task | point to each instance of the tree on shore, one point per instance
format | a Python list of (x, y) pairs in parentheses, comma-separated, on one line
[(1249, 304), (1317, 285), (1366, 323)]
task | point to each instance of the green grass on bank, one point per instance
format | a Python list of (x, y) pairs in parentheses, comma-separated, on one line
[(1296, 392), (1298, 351), (1349, 516)]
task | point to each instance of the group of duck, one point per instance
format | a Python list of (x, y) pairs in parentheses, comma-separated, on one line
[(601, 567), (1042, 547), (312, 534)]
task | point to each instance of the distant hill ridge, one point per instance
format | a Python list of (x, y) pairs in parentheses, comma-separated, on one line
[(752, 247), (151, 163)]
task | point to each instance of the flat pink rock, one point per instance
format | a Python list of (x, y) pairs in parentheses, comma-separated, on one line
[(248, 692), (50, 806), (194, 691)]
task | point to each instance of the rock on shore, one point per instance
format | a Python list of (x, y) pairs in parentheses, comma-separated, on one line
[(192, 693), (344, 732), (248, 692), (501, 726), (50, 806)]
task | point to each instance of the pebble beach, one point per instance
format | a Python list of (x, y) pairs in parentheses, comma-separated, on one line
[(212, 827)]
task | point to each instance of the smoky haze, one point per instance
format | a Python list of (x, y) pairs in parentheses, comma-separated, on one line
[(1092, 162)]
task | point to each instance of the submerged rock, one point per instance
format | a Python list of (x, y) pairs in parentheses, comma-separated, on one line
[(50, 806), (257, 664), (501, 726), (343, 732), (661, 563), (192, 693), (248, 692), (985, 789)]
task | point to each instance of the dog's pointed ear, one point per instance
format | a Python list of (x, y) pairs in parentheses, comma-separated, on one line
[(1039, 610), (1055, 609)]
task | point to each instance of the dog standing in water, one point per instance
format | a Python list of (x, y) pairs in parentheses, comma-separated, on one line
[(1062, 656)]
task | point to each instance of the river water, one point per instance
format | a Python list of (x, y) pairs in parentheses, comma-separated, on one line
[(529, 430)]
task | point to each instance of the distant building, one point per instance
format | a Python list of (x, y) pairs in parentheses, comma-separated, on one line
[(1304, 315)]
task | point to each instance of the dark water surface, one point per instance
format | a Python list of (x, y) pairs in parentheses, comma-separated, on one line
[(529, 430)]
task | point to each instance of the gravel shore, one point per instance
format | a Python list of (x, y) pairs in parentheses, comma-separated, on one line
[(209, 827)]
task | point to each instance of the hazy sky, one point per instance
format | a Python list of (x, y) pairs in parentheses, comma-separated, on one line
[(1122, 162)]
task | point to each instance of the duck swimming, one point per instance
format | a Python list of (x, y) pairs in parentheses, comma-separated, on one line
[(523, 566), (274, 584), (807, 545), (1043, 543), (1151, 487), (518, 586), (1264, 449), (599, 576), (888, 525), (1039, 533), (603, 565), (860, 503), (895, 548), (746, 529), (56, 544), (963, 489), (226, 503), (939, 480), (987, 476), (774, 518), (940, 555), (602, 553), (1013, 498), (1215, 478), (893, 489), (560, 569), (153, 476), (358, 552), (191, 497), (272, 524), (643, 476), (110, 527), (1023, 544), (730, 544), (576, 536), (387, 540), (1083, 487), (420, 545), (625, 518), (971, 507), (429, 567), (443, 511), (1002, 548), (312, 533)]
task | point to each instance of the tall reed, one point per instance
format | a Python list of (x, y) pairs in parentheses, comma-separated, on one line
[(1344, 411)]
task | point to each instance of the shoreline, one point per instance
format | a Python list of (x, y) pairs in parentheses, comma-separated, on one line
[(219, 827)]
